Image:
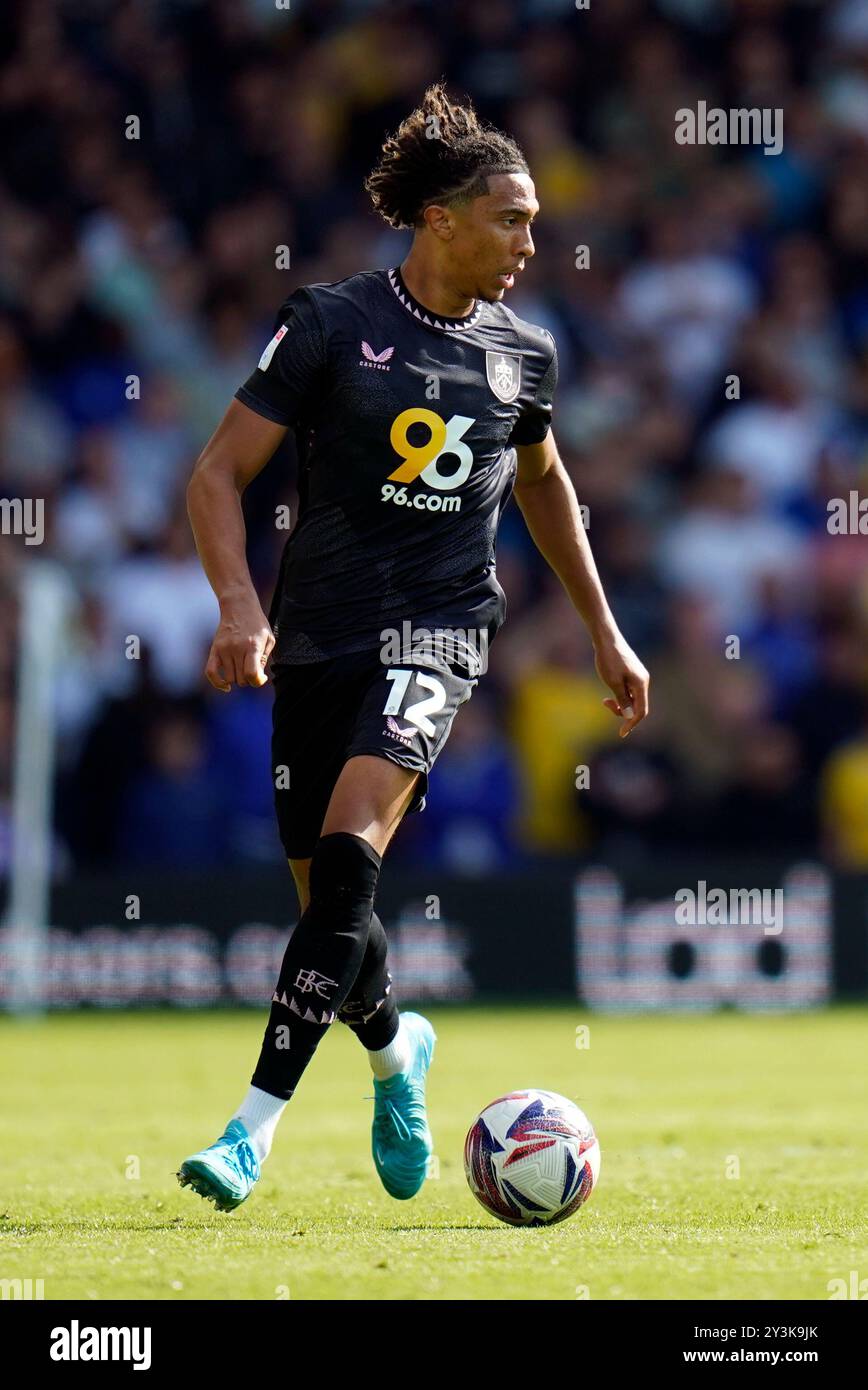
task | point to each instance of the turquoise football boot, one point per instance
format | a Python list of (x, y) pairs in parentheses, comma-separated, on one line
[(226, 1172), (401, 1140)]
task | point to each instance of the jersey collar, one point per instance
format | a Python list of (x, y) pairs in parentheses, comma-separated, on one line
[(396, 280)]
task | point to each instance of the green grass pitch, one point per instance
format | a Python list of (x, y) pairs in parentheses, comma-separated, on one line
[(101, 1108)]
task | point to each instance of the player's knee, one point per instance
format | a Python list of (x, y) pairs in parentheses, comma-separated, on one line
[(343, 872)]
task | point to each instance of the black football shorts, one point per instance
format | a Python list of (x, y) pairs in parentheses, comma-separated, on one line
[(326, 712)]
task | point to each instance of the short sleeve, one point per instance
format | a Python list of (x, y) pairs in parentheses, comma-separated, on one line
[(533, 423), (291, 364)]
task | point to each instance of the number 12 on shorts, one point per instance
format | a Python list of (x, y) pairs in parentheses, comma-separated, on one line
[(418, 713)]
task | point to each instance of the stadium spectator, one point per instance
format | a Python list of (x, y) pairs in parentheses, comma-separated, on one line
[(844, 803)]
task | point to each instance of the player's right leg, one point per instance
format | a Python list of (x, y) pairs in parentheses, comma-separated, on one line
[(326, 950), (320, 964), (313, 713)]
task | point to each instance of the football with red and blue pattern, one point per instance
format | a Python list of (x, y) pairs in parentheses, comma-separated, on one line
[(532, 1158)]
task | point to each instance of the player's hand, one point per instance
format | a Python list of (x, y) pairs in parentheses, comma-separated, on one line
[(242, 645), (620, 669)]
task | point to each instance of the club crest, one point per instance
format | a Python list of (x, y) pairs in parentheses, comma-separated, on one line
[(503, 370)]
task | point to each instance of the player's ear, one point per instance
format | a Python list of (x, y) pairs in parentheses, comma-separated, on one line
[(439, 220)]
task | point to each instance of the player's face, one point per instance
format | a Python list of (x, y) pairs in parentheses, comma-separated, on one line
[(492, 235)]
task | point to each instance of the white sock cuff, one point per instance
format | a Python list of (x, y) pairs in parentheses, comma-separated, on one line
[(259, 1113), (389, 1061), (258, 1107)]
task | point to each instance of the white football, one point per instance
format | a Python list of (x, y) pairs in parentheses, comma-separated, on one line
[(532, 1158)]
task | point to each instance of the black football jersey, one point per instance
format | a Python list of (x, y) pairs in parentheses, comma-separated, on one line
[(405, 423)]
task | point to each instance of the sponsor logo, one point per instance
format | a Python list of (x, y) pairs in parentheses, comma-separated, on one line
[(421, 459), (377, 360), (265, 359), (503, 371), (393, 730), (418, 501)]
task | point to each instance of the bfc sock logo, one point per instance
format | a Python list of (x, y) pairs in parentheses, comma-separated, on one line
[(308, 982)]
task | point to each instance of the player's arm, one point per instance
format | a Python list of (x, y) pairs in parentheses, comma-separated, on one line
[(547, 498), (240, 447)]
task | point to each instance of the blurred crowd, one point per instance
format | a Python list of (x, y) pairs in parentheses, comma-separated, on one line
[(713, 398)]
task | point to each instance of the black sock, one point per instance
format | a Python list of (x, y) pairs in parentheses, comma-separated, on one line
[(370, 1009), (322, 959)]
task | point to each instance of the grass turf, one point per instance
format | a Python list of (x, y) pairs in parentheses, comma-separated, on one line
[(101, 1109)]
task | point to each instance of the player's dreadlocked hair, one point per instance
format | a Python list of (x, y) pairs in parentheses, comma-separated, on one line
[(442, 153)]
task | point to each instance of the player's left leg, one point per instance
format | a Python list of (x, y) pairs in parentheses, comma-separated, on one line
[(400, 1046), (395, 724), (370, 1010)]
